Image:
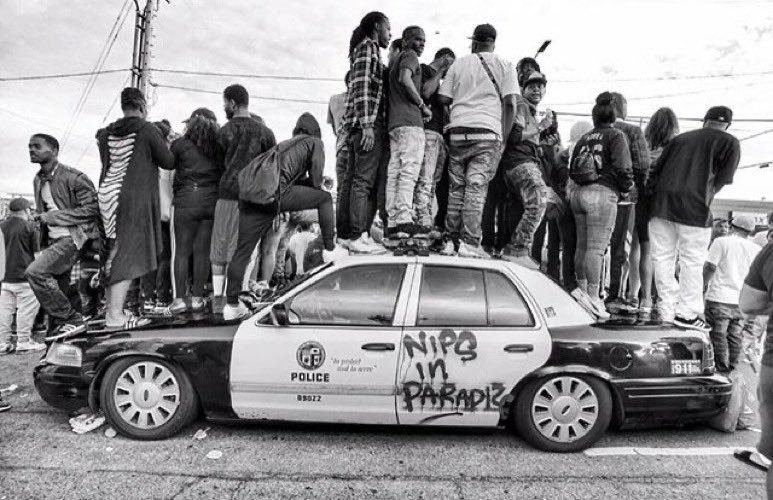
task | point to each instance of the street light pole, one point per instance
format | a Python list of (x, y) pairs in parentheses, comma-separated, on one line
[(143, 45)]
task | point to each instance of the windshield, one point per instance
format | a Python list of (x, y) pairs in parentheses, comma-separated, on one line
[(281, 290)]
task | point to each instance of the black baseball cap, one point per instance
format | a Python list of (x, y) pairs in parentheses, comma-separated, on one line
[(484, 33), (719, 114), (204, 113)]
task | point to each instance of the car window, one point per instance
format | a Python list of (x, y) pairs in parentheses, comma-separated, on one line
[(451, 296), (359, 295), (506, 306)]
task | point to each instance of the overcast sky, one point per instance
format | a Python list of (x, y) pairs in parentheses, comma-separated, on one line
[(622, 45)]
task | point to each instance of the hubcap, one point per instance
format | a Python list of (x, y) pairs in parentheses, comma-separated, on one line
[(146, 395), (564, 409)]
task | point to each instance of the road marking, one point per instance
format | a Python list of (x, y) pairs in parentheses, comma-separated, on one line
[(644, 451)]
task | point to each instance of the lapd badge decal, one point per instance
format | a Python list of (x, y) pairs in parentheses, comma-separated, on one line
[(310, 355)]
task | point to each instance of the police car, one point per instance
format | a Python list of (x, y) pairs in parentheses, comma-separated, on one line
[(400, 340)]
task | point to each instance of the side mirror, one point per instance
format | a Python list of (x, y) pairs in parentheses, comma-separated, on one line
[(280, 313)]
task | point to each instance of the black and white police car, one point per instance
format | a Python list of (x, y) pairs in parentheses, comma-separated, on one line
[(406, 340)]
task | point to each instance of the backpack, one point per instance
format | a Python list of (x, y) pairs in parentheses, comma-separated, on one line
[(586, 163), (259, 180)]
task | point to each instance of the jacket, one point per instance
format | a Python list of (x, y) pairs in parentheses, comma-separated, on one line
[(241, 140), (303, 156), (692, 168), (365, 94), (196, 177), (640, 152), (74, 194), (611, 146)]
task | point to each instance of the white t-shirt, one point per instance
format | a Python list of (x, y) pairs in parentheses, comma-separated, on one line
[(476, 103), (54, 232), (299, 242), (733, 256)]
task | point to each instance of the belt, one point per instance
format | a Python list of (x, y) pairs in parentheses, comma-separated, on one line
[(480, 136)]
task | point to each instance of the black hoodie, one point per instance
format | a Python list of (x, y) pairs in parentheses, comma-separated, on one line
[(241, 139), (303, 156)]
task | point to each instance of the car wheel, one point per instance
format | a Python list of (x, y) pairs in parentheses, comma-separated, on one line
[(147, 398), (563, 412)]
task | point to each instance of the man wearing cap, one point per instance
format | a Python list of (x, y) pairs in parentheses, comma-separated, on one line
[(16, 295), (522, 168), (693, 167), (479, 87), (728, 263)]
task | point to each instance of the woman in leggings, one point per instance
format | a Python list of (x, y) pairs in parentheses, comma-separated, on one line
[(601, 168), (198, 168)]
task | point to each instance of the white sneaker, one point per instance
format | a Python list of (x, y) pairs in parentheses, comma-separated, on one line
[(362, 246), (448, 248), (232, 313), (475, 252), (336, 253), (599, 309), (343, 242), (29, 346)]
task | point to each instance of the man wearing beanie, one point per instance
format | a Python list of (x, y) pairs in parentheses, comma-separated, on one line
[(131, 149), (692, 169), (16, 296), (301, 165), (479, 88), (727, 265)]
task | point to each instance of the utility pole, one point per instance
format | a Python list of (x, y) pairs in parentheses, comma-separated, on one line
[(143, 44)]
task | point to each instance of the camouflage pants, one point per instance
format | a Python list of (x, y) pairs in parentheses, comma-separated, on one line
[(526, 180)]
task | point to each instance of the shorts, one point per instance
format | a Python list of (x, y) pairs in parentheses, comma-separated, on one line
[(225, 232), (642, 219), (765, 396)]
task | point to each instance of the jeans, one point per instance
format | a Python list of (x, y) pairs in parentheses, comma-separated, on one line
[(343, 189), (191, 239), (526, 180), (424, 194), (47, 271), (255, 222), (620, 251), (471, 166), (726, 323), (441, 188), (406, 145), (158, 283), (361, 180), (498, 212), (691, 244), (594, 207), (17, 299)]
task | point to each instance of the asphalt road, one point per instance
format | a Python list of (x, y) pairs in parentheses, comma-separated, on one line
[(41, 458)]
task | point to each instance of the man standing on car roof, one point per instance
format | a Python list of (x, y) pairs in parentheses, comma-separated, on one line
[(480, 89)]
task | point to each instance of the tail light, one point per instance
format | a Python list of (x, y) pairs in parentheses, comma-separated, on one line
[(708, 356)]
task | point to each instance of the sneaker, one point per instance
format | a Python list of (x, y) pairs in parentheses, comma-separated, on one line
[(258, 287), (336, 253), (620, 306), (521, 260), (448, 248), (474, 251), (93, 421), (148, 306), (362, 246), (598, 308), (237, 312), (644, 314), (198, 304), (218, 303), (178, 306), (343, 242), (29, 346), (4, 405), (401, 231), (691, 324), (424, 232), (6, 348), (67, 330)]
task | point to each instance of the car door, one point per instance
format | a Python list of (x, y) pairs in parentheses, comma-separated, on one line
[(337, 358), (472, 338)]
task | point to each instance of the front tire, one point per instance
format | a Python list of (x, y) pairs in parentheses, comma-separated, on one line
[(147, 398), (563, 412)]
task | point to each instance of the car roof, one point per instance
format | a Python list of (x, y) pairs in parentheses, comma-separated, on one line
[(446, 260)]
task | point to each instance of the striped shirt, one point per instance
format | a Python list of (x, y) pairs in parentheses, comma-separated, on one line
[(121, 150), (366, 87)]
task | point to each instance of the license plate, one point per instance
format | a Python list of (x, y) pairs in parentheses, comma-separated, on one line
[(686, 367)]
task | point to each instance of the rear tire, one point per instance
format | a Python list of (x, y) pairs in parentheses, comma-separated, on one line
[(147, 398), (563, 412)]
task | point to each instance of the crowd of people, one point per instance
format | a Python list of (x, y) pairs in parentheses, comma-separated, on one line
[(458, 151)]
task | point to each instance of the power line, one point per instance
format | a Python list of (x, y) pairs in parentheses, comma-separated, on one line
[(756, 135), (246, 75), (60, 75), (668, 78), (105, 52), (647, 118), (218, 92)]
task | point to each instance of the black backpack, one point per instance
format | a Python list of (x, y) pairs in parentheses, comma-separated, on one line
[(585, 167)]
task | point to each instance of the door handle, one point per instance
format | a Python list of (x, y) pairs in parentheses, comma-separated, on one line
[(519, 348), (378, 346)]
